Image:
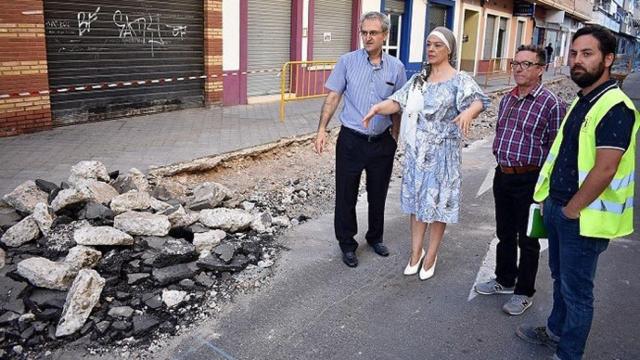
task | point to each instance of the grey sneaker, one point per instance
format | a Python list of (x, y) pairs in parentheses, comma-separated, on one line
[(517, 305), (538, 335), (492, 287)]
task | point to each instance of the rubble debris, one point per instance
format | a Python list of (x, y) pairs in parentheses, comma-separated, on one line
[(23, 232), (25, 197), (42, 272), (82, 297)]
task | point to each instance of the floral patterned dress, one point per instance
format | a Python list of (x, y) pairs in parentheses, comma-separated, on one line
[(431, 176)]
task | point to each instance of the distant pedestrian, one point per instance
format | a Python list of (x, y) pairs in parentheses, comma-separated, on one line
[(549, 51), (363, 77), (587, 187), (528, 119)]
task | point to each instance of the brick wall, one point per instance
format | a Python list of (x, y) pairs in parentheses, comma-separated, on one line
[(213, 51), (23, 67)]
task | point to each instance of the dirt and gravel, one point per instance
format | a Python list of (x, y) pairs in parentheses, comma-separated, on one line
[(296, 181)]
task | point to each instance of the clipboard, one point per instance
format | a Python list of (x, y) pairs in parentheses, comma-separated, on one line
[(535, 224)]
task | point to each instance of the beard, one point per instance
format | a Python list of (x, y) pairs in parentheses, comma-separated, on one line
[(586, 78)]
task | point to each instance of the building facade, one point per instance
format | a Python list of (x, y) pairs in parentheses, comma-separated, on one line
[(80, 60), (259, 37)]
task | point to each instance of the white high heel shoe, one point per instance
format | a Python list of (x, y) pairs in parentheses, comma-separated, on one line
[(412, 270), (426, 274)]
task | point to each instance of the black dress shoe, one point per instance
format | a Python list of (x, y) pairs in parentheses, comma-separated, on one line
[(350, 259), (380, 249)]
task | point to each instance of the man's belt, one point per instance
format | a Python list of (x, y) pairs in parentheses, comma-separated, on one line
[(519, 169), (369, 138)]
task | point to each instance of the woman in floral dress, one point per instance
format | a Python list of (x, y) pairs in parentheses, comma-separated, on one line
[(438, 107)]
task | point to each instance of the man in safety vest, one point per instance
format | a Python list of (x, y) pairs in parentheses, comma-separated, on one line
[(586, 186)]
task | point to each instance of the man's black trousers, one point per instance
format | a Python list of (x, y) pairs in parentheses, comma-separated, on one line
[(513, 195), (356, 152)]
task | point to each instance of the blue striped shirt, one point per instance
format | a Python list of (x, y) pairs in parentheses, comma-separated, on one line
[(363, 85)]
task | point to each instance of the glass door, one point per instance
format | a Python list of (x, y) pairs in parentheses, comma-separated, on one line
[(392, 45), (437, 16)]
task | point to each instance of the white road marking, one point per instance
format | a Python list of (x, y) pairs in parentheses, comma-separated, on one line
[(474, 146), (486, 271), (487, 183)]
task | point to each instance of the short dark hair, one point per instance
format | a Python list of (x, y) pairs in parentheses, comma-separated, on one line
[(540, 52), (607, 42)]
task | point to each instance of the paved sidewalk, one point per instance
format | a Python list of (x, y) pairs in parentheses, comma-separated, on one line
[(159, 139)]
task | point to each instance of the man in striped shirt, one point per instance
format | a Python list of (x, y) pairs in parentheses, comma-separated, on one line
[(528, 119), (363, 77)]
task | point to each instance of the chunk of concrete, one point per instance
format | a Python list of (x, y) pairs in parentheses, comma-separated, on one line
[(168, 190), (81, 256), (88, 170), (230, 220), (21, 233), (97, 191), (205, 242), (208, 195), (45, 273), (121, 312), (134, 179), (69, 197), (101, 235), (25, 197), (132, 200), (172, 298), (81, 299), (145, 224), (43, 217)]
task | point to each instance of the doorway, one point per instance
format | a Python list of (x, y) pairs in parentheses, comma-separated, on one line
[(469, 40)]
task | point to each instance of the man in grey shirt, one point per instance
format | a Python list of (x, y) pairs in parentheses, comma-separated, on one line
[(364, 77)]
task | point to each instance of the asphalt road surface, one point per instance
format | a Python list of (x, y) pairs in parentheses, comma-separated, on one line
[(317, 308)]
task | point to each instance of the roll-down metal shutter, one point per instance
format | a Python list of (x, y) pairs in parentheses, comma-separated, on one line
[(119, 57), (394, 6), (269, 41), (332, 29)]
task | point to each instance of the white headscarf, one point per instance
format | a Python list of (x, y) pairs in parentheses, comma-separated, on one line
[(415, 99)]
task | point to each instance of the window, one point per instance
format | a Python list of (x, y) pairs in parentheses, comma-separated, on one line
[(519, 33), (605, 5), (495, 37), (437, 16), (502, 35), (392, 45), (489, 43)]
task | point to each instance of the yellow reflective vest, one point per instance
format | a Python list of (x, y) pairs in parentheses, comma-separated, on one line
[(611, 214)]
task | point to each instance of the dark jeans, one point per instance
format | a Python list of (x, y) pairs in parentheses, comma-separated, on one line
[(355, 154), (513, 194), (573, 260)]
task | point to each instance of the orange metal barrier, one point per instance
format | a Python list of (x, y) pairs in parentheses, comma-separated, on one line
[(300, 80)]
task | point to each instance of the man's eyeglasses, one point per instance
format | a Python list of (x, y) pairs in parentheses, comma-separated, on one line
[(373, 33), (524, 65)]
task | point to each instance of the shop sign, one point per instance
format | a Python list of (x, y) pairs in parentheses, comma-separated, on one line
[(523, 8)]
